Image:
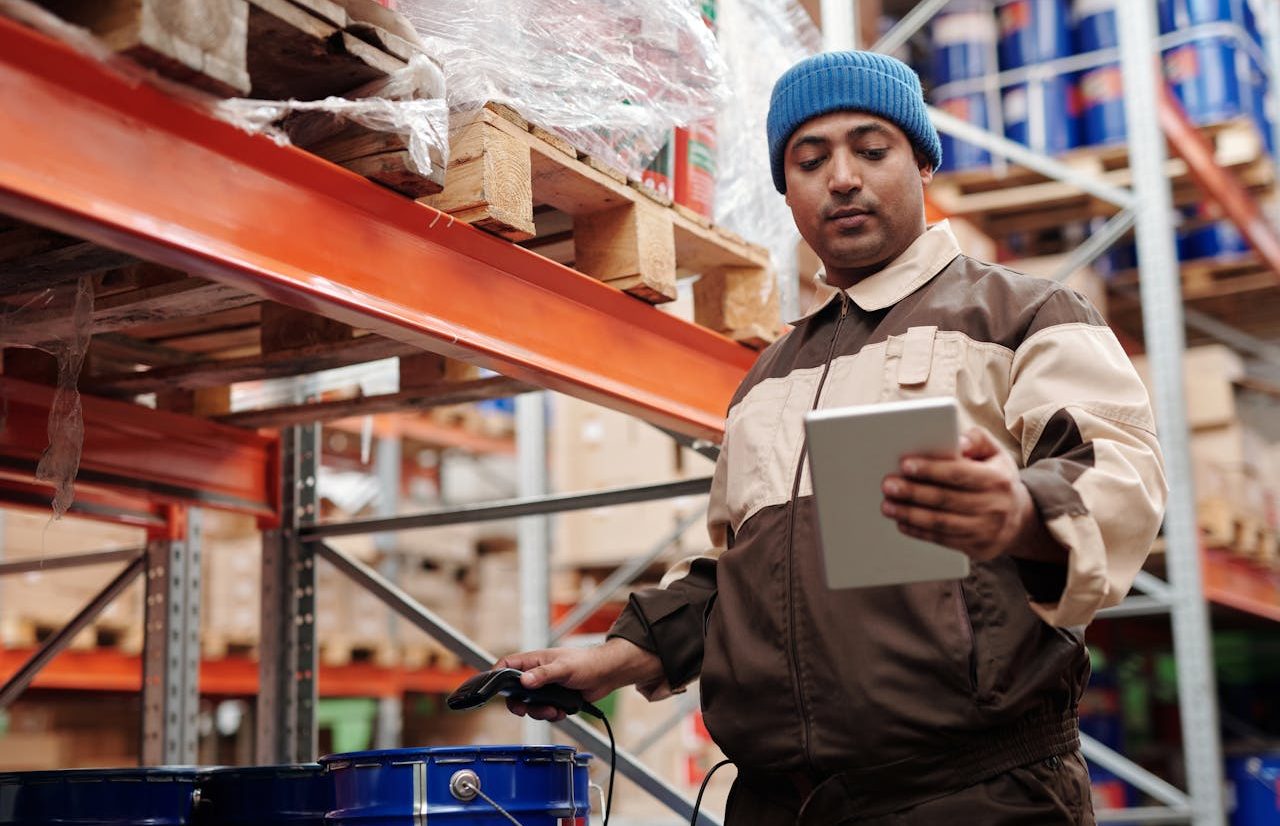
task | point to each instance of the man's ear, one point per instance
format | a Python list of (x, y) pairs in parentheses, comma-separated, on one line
[(926, 169)]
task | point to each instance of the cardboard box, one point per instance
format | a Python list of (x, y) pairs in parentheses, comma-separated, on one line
[(1209, 373)]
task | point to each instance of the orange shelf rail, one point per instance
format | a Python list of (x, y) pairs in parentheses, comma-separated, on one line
[(89, 153), (112, 670), (133, 456), (1237, 583)]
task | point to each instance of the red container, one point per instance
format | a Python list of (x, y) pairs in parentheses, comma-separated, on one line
[(695, 150)]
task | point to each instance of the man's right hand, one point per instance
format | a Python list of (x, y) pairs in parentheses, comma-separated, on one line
[(594, 671)]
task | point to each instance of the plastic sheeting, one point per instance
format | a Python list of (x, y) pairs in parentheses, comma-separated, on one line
[(411, 104), (612, 77), (760, 39), (66, 314)]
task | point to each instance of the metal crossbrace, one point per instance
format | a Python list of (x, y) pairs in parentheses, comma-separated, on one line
[(1096, 244), (1135, 775), (686, 704), (1137, 606), (624, 575), (53, 563), (1035, 161), (1153, 586), (476, 657), (1144, 815), (530, 506), (51, 647), (914, 20)]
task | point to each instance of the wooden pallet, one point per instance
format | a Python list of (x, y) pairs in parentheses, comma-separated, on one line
[(1019, 200), (28, 632), (522, 183), (277, 50), (1223, 525)]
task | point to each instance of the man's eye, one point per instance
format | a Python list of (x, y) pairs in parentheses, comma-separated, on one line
[(809, 164), (874, 154)]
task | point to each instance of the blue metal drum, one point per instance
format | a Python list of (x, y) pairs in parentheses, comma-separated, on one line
[(406, 787), (964, 48), (1256, 779), (1033, 31), (298, 795), (1043, 114), (582, 781), (1210, 76), (99, 797), (1102, 87)]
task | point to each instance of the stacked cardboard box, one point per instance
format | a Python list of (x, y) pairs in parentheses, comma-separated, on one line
[(1234, 447)]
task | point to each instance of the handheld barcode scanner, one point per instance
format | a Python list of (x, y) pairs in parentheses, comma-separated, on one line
[(505, 682)]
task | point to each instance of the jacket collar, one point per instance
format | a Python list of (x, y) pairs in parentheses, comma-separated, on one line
[(927, 256)]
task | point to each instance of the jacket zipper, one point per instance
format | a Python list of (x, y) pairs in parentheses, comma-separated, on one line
[(966, 624), (791, 536)]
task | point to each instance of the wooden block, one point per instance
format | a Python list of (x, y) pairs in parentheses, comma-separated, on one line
[(741, 303), (421, 370), (489, 182), (508, 114), (555, 140), (198, 42), (293, 53), (284, 328), (372, 13), (600, 166), (631, 247), (202, 401)]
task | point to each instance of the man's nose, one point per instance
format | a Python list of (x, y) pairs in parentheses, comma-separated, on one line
[(845, 175)]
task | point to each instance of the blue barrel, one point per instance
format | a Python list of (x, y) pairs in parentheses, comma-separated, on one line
[(1182, 14), (1033, 31), (99, 797), (582, 782), (297, 795), (1101, 89), (1256, 779), (398, 787), (1043, 114), (964, 48), (1210, 77)]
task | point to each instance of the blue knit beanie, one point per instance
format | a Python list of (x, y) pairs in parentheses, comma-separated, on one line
[(858, 81)]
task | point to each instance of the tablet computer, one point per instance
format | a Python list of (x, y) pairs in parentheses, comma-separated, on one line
[(851, 450)]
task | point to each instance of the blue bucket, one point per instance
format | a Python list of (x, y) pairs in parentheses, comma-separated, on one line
[(99, 797), (265, 796), (957, 154), (1210, 77), (1033, 31), (1256, 779), (1101, 89), (964, 45), (1043, 114), (398, 787), (582, 782)]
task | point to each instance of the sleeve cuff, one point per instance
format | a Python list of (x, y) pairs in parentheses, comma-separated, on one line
[(667, 625)]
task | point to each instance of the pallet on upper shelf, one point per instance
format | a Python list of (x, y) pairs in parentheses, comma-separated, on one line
[(1020, 200), (277, 50), (522, 183), (1237, 289), (1224, 525)]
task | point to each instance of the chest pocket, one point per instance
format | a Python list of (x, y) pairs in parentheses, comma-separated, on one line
[(920, 363)]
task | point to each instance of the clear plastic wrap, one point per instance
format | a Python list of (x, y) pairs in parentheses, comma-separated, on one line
[(410, 103), (610, 76), (760, 39), (66, 314)]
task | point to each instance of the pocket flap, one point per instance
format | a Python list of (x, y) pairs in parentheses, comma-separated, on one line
[(917, 355)]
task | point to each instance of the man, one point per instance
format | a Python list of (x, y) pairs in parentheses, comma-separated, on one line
[(918, 703)]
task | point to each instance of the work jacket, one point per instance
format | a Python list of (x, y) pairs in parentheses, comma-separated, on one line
[(907, 692)]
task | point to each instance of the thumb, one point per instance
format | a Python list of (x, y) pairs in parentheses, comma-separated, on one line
[(556, 671), (978, 444)]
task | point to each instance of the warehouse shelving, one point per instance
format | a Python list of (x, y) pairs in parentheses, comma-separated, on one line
[(125, 166)]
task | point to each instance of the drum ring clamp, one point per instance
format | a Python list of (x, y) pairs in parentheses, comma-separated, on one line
[(464, 785)]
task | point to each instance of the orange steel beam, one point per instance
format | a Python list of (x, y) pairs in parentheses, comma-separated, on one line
[(103, 669), (1240, 584), (1219, 184), (90, 153), (116, 507), (135, 452)]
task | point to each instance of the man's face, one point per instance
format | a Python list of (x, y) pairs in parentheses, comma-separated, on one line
[(856, 190)]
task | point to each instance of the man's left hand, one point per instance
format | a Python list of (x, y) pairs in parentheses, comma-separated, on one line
[(975, 503)]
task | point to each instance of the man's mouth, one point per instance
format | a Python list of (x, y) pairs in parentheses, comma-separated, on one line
[(849, 217)]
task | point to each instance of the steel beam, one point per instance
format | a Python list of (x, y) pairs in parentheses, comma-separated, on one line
[(1133, 774), (531, 506), (911, 23), (286, 719), (54, 563), (1096, 244), (1136, 607), (171, 651), (52, 646), (621, 577), (382, 262), (476, 657), (1144, 815), (533, 538), (1162, 324), (145, 454)]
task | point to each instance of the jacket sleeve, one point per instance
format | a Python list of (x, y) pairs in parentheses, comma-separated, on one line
[(1090, 459), (668, 620)]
